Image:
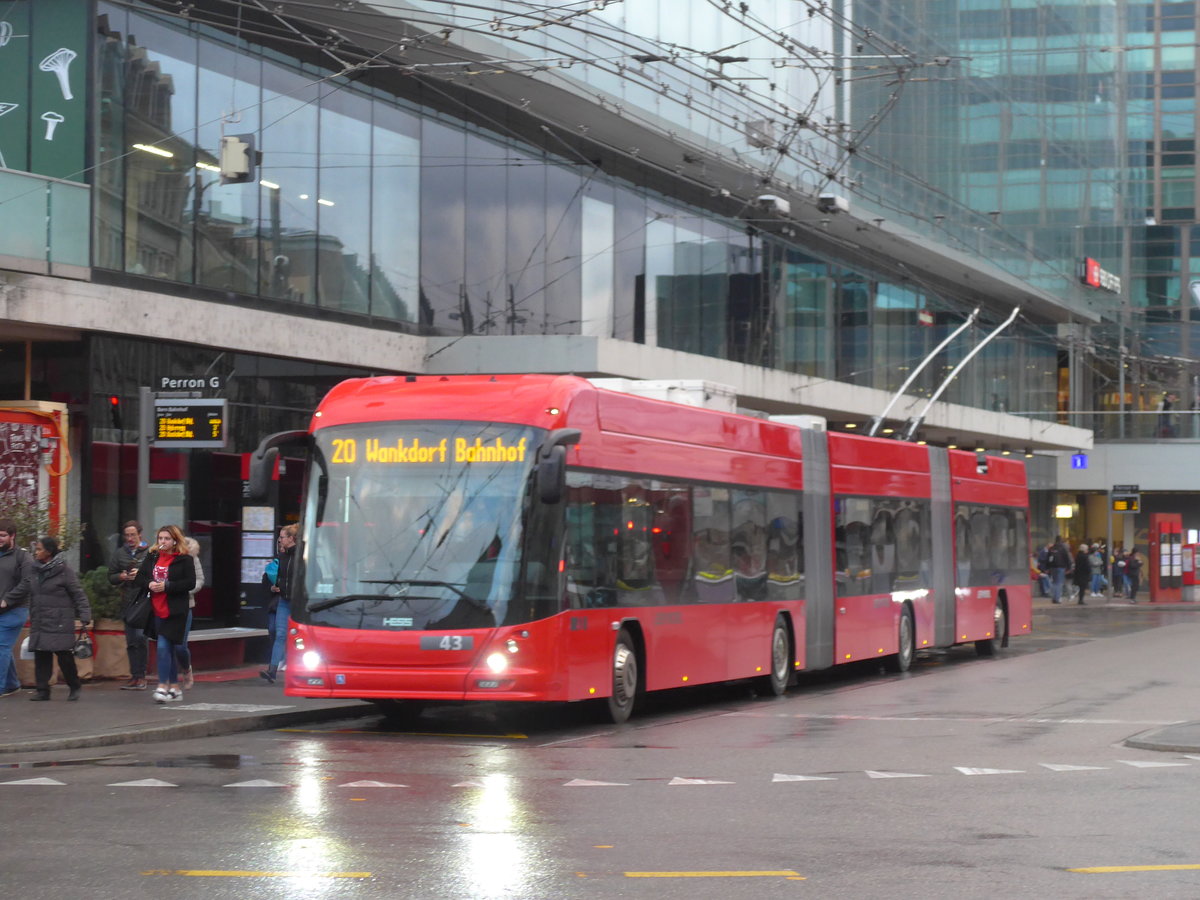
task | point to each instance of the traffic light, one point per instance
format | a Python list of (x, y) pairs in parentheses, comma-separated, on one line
[(114, 410), (239, 159)]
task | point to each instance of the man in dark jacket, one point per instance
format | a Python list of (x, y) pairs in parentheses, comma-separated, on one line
[(121, 572), (1060, 564), (16, 566)]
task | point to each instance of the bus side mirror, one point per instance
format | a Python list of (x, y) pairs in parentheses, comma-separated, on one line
[(552, 464), (262, 461), (262, 470)]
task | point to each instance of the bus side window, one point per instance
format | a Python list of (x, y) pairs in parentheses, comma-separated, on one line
[(749, 545), (712, 576), (785, 561)]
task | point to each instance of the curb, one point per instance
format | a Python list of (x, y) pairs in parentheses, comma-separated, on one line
[(1161, 739), (180, 731)]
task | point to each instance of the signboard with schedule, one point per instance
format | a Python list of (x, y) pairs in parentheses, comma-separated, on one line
[(189, 423)]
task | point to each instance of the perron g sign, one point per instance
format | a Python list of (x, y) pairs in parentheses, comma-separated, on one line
[(183, 424)]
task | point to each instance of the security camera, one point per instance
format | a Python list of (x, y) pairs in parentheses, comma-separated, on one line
[(774, 204), (832, 203)]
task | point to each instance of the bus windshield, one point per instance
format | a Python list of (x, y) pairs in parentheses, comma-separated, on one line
[(414, 525)]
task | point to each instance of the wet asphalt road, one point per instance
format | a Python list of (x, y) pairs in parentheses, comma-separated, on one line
[(1002, 777)]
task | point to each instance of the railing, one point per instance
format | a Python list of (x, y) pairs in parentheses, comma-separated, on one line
[(1134, 426), (45, 224)]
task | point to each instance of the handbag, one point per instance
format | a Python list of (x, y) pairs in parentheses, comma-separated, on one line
[(137, 614), (83, 644)]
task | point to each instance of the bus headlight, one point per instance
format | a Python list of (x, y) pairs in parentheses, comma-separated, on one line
[(311, 659), (497, 662)]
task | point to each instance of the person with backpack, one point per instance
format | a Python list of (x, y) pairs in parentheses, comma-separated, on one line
[(1059, 566), (1133, 573), (1096, 561)]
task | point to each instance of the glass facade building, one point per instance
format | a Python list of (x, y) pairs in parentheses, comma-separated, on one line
[(406, 205), (819, 190)]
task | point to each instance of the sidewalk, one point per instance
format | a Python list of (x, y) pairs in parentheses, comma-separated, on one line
[(1181, 738), (221, 702)]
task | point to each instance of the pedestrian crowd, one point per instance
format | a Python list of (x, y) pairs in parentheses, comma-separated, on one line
[(158, 586), (1090, 568)]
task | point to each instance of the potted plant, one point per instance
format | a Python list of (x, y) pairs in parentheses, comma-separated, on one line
[(108, 630)]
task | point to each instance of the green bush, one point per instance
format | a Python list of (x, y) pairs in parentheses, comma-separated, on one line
[(103, 597), (34, 521)]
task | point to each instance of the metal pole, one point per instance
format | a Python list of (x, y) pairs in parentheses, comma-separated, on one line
[(879, 419), (1108, 550), (915, 423), (145, 423)]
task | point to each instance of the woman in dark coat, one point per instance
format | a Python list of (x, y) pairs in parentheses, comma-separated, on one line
[(170, 575), (56, 601), (1083, 572)]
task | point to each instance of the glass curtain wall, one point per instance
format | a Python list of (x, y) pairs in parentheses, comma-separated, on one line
[(330, 218), (369, 206)]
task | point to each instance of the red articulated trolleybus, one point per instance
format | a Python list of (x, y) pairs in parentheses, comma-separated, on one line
[(539, 538)]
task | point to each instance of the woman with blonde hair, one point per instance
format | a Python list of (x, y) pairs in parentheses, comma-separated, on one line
[(170, 576)]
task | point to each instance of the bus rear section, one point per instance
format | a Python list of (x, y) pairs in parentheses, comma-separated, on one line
[(993, 594)]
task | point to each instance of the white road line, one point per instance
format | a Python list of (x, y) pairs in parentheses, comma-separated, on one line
[(583, 782), (258, 782), (36, 781), (983, 720), (1063, 767), (966, 770), (144, 782), (372, 784), (678, 780), (874, 774)]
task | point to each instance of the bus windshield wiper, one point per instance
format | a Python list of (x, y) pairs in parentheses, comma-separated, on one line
[(338, 601), (474, 601)]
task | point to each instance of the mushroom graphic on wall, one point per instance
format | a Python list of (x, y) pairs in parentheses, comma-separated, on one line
[(51, 119), (57, 62)]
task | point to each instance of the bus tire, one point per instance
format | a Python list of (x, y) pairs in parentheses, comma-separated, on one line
[(399, 710), (775, 683), (991, 645), (624, 678), (906, 644)]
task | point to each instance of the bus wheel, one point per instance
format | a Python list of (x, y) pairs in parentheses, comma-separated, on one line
[(775, 684), (907, 644), (996, 641), (399, 710), (625, 678)]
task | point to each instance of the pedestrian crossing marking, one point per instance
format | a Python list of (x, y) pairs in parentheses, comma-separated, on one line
[(1149, 763), (583, 782), (776, 778), (37, 781), (1063, 767), (144, 782), (257, 782), (678, 780)]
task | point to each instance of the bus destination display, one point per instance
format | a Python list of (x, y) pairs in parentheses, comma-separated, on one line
[(189, 423), (400, 452)]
